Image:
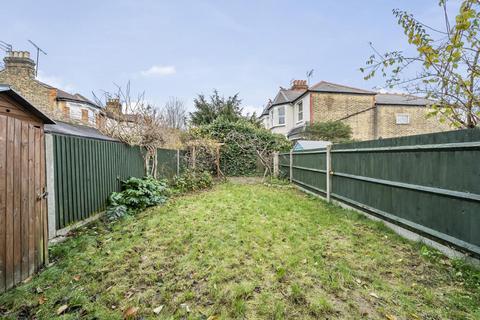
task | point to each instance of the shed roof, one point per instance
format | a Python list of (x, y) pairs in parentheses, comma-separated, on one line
[(78, 130), (6, 89), (310, 144)]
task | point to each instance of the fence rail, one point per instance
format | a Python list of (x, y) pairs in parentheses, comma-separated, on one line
[(87, 170), (427, 183)]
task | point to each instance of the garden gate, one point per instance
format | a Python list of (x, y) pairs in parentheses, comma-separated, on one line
[(23, 225)]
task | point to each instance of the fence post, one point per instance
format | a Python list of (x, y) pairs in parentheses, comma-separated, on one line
[(328, 170), (178, 162), (50, 180), (291, 165), (275, 164)]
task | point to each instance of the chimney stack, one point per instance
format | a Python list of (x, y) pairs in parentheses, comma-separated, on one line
[(299, 85), (18, 63), (114, 106)]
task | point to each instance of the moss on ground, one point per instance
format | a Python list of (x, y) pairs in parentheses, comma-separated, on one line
[(246, 251)]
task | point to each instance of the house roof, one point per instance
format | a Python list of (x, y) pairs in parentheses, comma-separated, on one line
[(401, 99), (63, 95), (324, 86), (6, 89), (70, 129), (286, 96)]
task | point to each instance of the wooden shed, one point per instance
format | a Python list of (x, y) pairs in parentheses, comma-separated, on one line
[(23, 216)]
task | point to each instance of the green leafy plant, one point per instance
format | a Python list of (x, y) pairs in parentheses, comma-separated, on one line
[(137, 194), (334, 131), (191, 180), (243, 144)]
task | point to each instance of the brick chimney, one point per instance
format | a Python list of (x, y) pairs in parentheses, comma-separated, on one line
[(114, 106), (19, 64), (299, 85)]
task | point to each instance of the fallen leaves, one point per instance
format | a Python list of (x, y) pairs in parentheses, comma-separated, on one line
[(76, 277), (158, 309), (62, 309), (373, 294), (130, 312)]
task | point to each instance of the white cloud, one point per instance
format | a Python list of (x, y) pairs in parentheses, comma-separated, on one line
[(55, 81), (159, 71)]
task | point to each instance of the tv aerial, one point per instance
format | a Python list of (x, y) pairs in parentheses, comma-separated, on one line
[(38, 53), (7, 47), (309, 75)]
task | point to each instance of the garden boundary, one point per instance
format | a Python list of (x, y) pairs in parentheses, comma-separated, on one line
[(82, 172), (428, 183)]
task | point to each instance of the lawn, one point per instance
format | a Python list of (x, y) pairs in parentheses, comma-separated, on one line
[(246, 251)]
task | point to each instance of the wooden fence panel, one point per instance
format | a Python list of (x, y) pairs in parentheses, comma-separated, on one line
[(428, 183)]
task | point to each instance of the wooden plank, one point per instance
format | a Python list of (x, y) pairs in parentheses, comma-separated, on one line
[(3, 207), (44, 200), (38, 244), (9, 270), (17, 231), (31, 200), (24, 198)]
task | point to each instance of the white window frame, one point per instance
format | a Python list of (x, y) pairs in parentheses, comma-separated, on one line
[(299, 112), (400, 121), (281, 116)]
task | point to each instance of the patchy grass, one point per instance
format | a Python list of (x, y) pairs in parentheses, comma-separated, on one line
[(246, 251)]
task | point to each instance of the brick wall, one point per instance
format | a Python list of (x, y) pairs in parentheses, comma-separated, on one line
[(351, 107), (22, 80), (419, 122)]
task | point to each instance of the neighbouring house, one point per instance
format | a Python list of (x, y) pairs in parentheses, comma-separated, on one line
[(19, 73), (371, 115)]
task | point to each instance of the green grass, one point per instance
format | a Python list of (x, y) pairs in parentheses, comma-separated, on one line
[(247, 252)]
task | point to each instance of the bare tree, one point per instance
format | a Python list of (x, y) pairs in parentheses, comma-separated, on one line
[(134, 122), (175, 113)]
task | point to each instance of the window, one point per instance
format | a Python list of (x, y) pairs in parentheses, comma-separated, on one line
[(271, 118), (66, 112), (300, 111), (84, 115), (281, 115), (402, 118)]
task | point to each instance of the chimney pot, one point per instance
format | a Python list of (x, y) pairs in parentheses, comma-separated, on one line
[(299, 85)]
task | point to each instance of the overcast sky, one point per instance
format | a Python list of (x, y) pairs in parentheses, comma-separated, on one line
[(182, 48)]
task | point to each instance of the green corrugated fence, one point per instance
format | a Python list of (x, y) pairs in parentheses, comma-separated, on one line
[(88, 170), (427, 183)]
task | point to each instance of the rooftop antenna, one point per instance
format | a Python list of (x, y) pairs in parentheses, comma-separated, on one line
[(7, 47), (309, 75), (38, 52)]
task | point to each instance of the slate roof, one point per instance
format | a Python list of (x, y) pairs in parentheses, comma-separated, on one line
[(400, 99), (77, 130), (287, 96), (63, 95), (324, 86), (6, 89)]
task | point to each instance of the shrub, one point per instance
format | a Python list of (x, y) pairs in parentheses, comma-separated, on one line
[(334, 131), (191, 180), (137, 194), (241, 141)]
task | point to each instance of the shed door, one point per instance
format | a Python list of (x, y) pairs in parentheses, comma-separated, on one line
[(23, 225)]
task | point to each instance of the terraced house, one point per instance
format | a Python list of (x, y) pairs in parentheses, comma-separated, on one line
[(371, 115), (19, 73)]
